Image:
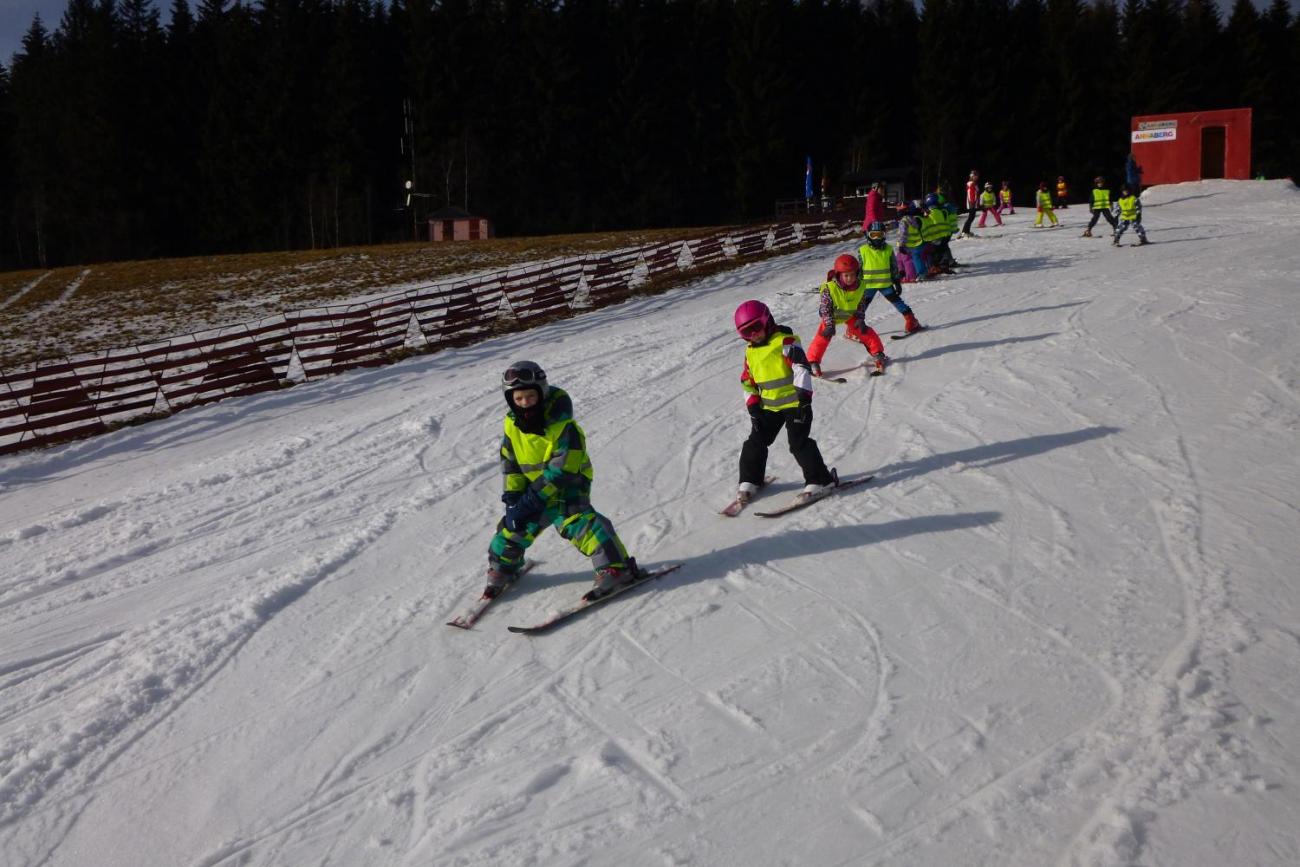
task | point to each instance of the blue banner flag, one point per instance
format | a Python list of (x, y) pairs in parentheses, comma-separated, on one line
[(807, 180)]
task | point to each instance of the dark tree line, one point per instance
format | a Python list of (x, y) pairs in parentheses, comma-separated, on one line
[(282, 124)]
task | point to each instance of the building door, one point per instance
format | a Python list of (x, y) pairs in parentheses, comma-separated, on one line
[(1213, 152)]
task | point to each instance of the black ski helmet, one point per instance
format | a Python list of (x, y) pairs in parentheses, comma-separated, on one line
[(524, 374)]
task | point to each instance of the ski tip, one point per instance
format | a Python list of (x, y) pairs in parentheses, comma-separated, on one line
[(459, 625)]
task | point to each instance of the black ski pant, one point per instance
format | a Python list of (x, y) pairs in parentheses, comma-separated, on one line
[(764, 426), (970, 218), (1110, 218)]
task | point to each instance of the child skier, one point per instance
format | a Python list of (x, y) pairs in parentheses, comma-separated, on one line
[(972, 202), (911, 241), (778, 393), (988, 205), (1130, 214), (1100, 206), (849, 288), (937, 229), (1045, 207), (547, 477), (1062, 192), (1004, 196)]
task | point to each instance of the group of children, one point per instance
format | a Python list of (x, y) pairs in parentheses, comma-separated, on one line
[(547, 473), (1123, 213)]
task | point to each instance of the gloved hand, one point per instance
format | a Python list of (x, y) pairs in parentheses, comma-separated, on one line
[(859, 325), (519, 515), (755, 410), (802, 414), (828, 330), (511, 497)]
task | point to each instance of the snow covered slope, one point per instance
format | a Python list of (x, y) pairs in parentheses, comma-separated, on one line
[(1061, 628)]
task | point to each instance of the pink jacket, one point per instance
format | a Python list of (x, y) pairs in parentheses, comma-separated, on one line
[(875, 209)]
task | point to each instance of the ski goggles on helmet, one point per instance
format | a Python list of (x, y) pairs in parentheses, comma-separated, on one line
[(517, 377), (876, 235), (752, 329)]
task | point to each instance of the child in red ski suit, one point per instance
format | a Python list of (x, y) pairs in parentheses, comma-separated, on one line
[(844, 300)]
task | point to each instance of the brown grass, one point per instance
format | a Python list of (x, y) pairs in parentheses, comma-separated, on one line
[(122, 304)]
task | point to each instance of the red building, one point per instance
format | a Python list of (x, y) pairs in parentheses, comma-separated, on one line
[(455, 224), (1192, 146)]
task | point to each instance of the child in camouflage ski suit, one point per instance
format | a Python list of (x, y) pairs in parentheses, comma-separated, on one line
[(547, 477)]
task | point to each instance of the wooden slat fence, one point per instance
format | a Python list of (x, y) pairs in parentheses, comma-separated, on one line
[(68, 398)]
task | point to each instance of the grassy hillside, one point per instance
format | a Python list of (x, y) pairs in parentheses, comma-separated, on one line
[(47, 314)]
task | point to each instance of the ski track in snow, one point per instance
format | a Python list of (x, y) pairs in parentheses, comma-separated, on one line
[(1023, 643)]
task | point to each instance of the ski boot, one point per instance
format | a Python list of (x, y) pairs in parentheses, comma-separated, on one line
[(498, 581), (910, 325), (881, 360), (1114, 242), (816, 490), (612, 578), (1087, 233), (1143, 241), (816, 368)]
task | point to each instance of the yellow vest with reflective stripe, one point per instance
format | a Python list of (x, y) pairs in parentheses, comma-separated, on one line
[(1128, 208), (876, 270), (987, 199), (914, 237), (843, 301), (1006, 196), (772, 376), (934, 225), (1045, 200), (534, 451), (1101, 200)]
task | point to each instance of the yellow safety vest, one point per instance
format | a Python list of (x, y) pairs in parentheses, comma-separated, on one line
[(987, 199), (772, 376), (1006, 196), (1128, 208), (532, 452), (877, 265), (1045, 200), (843, 301), (934, 225), (1101, 200), (914, 237)]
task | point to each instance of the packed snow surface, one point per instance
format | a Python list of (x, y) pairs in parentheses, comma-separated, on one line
[(1061, 627)]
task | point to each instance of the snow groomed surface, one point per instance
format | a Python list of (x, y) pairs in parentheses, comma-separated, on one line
[(1059, 627)]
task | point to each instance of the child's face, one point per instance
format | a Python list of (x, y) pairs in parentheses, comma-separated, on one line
[(524, 397)]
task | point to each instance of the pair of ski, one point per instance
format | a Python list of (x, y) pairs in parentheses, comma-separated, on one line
[(838, 375), (481, 605), (800, 501)]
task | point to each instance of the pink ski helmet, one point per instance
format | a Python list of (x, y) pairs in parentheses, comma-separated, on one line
[(750, 316)]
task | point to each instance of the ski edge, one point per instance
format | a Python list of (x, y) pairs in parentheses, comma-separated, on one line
[(474, 613), (797, 504), (574, 610), (735, 507)]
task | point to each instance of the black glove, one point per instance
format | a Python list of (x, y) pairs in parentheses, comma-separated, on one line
[(755, 410), (524, 510), (828, 330), (511, 497), (859, 325), (802, 414)]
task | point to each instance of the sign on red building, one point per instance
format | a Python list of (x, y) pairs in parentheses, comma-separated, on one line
[(1192, 146)]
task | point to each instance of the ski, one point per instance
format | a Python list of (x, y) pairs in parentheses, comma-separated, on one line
[(907, 334), (582, 605), (808, 499), (736, 506), (474, 612)]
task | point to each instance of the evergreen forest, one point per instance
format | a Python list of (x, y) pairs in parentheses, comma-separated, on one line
[(291, 124)]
